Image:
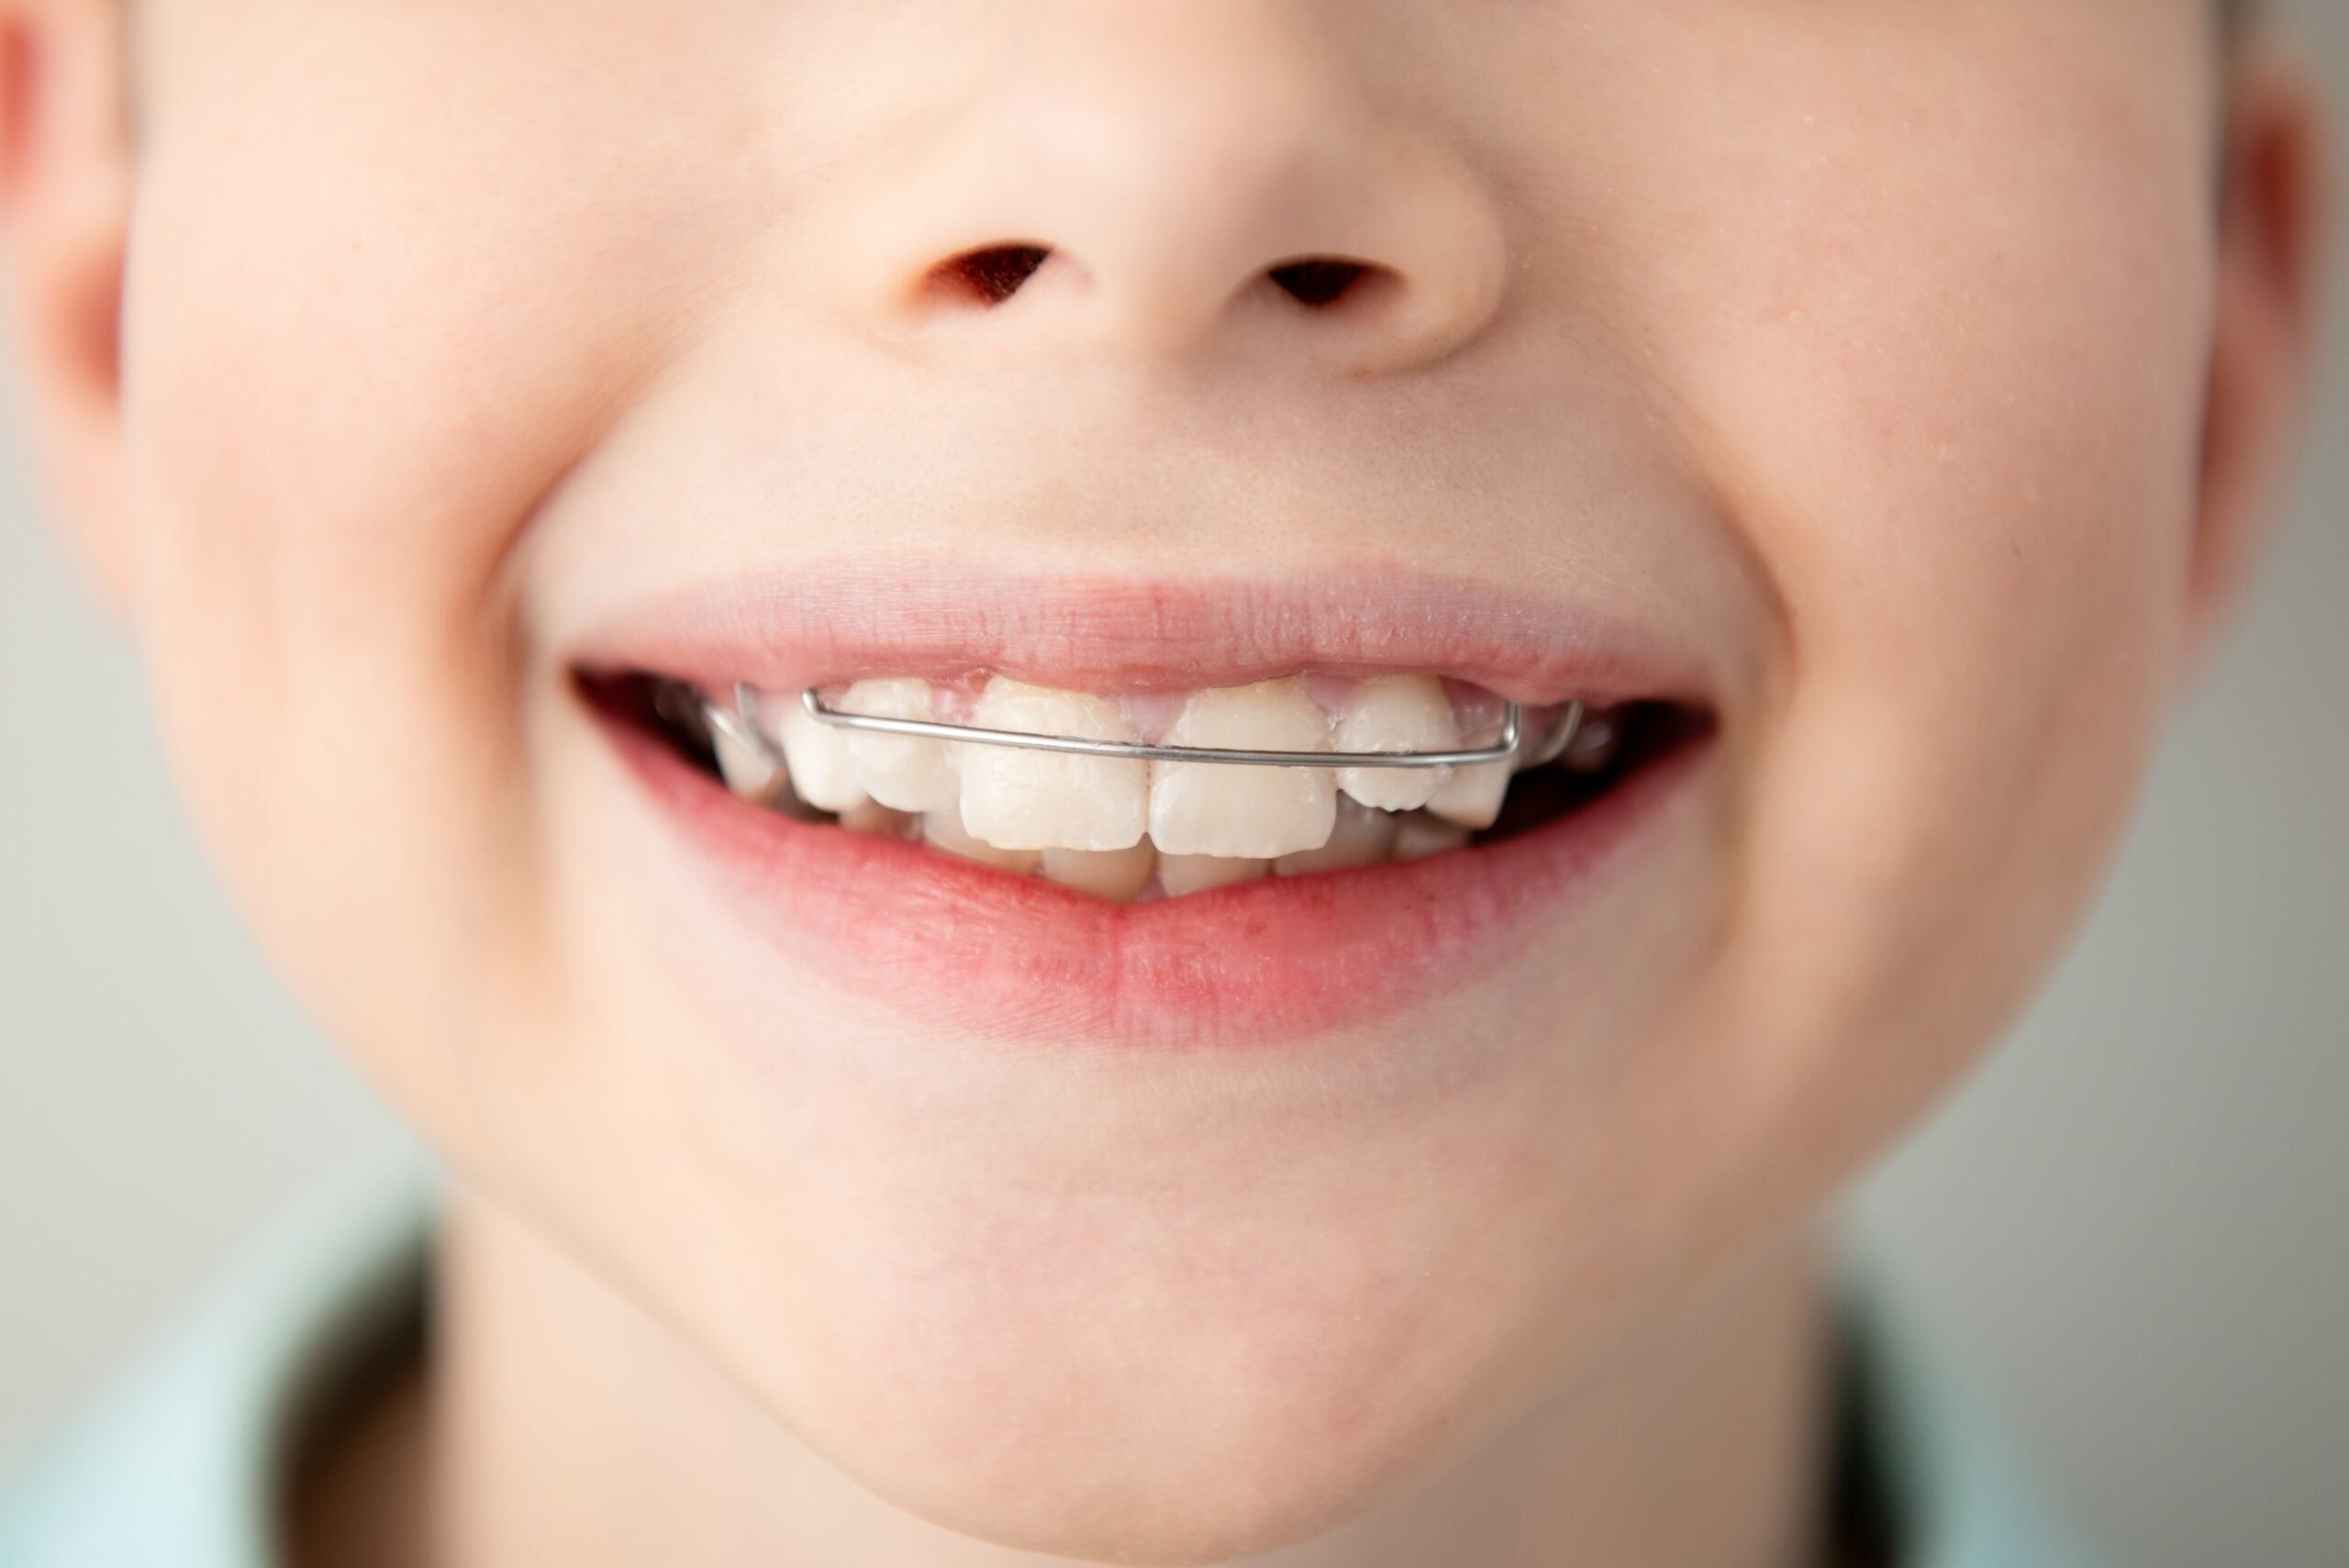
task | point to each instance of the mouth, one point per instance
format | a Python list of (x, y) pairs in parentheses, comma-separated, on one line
[(1101, 887), (1130, 827)]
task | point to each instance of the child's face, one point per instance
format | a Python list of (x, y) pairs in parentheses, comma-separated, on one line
[(1835, 373)]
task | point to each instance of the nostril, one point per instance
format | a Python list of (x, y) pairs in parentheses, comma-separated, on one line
[(1318, 280), (989, 275)]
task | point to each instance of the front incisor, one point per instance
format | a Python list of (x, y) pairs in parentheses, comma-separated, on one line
[(1238, 812), (1052, 800)]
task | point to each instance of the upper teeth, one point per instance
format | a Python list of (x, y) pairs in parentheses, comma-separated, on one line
[(1052, 800), (752, 771), (1207, 808), (1472, 796), (1396, 713), (903, 773), (1093, 821), (822, 773)]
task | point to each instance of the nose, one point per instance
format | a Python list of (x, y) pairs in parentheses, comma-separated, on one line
[(1139, 179)]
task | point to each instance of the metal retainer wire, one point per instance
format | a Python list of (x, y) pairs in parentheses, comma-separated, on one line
[(739, 726)]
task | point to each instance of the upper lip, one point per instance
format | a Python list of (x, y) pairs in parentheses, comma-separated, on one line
[(824, 624)]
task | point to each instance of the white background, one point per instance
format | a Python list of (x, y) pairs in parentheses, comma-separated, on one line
[(2133, 1228)]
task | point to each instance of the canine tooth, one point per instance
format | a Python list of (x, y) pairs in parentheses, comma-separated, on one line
[(1363, 837), (820, 771), (1420, 835), (1396, 713), (1179, 874), (753, 775), (1117, 875), (1052, 800), (943, 831), (1235, 812), (1472, 796), (905, 772)]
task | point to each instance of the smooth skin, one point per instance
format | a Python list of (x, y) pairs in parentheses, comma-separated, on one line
[(1926, 371)]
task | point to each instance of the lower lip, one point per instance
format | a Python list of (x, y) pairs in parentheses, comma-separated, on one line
[(987, 955)]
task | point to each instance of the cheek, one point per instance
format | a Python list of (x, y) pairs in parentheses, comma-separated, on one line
[(1965, 451), (345, 398)]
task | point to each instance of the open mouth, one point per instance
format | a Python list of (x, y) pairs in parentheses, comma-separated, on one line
[(1121, 823), (1099, 894)]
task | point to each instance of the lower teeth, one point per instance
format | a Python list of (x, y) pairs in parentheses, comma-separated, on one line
[(1180, 875), (1120, 876)]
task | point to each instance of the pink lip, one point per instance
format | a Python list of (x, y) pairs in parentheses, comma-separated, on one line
[(991, 955), (1002, 957), (818, 626)]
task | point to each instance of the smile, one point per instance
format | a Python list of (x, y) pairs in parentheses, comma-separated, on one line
[(1163, 794), (1125, 855)]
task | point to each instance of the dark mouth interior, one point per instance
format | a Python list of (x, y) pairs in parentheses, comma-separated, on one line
[(670, 711)]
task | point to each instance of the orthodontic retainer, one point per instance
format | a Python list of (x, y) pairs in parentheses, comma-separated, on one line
[(739, 725)]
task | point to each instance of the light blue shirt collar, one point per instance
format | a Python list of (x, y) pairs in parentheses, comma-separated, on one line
[(183, 1466)]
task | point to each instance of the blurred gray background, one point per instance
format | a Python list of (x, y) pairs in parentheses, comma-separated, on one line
[(2133, 1228)]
